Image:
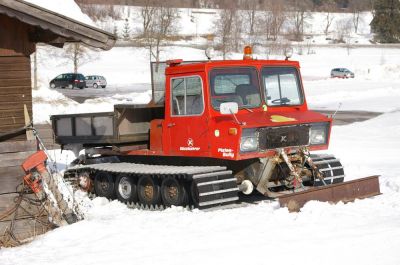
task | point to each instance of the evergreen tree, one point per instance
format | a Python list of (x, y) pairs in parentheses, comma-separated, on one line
[(386, 21), (126, 30), (116, 31)]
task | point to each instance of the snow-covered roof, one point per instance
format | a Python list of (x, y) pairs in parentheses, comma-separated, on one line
[(66, 8), (63, 18)]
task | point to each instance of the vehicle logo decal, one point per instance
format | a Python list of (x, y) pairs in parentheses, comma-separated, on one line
[(226, 152), (279, 118), (190, 146)]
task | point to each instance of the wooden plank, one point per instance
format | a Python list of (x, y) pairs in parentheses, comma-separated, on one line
[(14, 59), (14, 159), (20, 146), (10, 178), (14, 74), (15, 66), (11, 114), (12, 120), (6, 128), (15, 82), (20, 89), (8, 52), (13, 106), (45, 134)]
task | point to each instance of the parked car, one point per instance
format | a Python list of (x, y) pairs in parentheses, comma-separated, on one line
[(69, 80), (342, 73), (96, 81)]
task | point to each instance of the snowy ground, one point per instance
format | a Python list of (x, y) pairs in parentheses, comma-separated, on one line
[(364, 232)]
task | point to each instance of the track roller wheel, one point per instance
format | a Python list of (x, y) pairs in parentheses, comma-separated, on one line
[(104, 185), (126, 189), (173, 192), (148, 191)]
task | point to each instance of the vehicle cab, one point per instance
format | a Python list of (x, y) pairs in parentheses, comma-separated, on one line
[(238, 109)]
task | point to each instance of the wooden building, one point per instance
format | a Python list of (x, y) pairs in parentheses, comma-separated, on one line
[(22, 26)]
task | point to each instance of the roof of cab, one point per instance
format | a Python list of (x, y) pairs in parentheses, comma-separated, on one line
[(204, 66)]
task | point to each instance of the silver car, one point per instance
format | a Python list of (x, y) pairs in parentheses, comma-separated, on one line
[(96, 81), (342, 73)]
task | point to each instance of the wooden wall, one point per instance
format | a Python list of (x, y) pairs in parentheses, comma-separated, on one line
[(15, 91)]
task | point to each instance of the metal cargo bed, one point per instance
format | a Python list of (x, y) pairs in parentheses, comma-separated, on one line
[(128, 123)]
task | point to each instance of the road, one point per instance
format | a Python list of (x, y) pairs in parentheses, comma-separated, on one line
[(80, 95)]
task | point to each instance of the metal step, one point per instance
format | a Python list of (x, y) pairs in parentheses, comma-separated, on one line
[(216, 188)]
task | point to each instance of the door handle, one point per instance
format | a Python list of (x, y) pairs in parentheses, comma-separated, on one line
[(169, 125)]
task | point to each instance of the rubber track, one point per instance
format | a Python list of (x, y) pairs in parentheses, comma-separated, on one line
[(330, 167), (215, 185)]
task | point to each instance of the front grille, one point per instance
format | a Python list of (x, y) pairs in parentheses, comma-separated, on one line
[(277, 137)]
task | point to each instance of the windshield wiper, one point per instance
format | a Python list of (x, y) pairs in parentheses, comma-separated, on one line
[(283, 101)]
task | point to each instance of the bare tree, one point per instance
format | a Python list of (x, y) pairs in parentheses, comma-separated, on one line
[(35, 64), (147, 13), (328, 7), (78, 54), (237, 31), (356, 7), (343, 28), (250, 7), (161, 26), (299, 13), (273, 19), (224, 26)]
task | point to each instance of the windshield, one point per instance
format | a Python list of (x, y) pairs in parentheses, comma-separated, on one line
[(282, 86), (237, 84)]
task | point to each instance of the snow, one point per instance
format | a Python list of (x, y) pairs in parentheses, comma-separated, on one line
[(66, 8), (363, 232)]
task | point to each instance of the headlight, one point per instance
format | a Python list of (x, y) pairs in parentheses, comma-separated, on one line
[(319, 133), (249, 140)]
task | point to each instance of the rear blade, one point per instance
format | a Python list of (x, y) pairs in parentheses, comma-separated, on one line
[(345, 191)]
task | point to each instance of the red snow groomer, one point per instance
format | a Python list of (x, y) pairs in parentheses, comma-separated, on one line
[(215, 133)]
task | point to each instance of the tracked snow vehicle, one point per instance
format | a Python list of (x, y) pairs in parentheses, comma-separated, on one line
[(213, 129)]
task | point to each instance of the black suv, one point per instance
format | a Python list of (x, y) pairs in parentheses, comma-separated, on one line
[(69, 80)]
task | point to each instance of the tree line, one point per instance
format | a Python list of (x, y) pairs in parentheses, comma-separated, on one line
[(267, 23)]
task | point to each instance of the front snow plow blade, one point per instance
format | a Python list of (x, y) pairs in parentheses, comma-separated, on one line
[(346, 191)]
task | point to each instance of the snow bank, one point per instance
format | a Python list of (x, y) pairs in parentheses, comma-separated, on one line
[(364, 232), (66, 8), (56, 103)]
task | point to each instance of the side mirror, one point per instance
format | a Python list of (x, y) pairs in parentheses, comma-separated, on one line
[(229, 108)]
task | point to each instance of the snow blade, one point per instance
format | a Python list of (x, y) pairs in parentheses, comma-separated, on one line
[(346, 191)]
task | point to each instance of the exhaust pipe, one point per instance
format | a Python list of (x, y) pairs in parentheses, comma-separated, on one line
[(246, 187)]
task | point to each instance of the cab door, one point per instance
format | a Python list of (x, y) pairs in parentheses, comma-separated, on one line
[(187, 122)]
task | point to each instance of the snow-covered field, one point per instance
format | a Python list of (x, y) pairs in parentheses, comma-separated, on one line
[(364, 232)]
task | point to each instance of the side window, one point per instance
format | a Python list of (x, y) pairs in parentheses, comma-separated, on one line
[(187, 96)]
